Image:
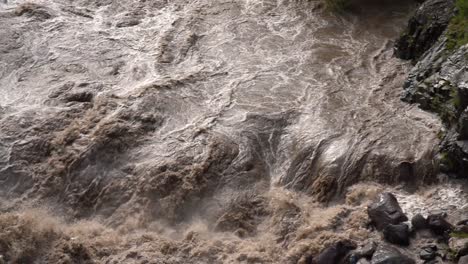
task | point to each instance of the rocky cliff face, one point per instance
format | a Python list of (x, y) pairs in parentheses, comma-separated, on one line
[(424, 28), (439, 80)]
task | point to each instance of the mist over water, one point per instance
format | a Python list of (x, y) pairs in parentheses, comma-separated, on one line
[(215, 127)]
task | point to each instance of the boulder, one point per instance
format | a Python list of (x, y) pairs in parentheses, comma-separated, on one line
[(365, 252), (438, 224), (428, 252), (390, 255), (418, 222), (385, 211), (397, 234), (368, 250), (334, 253)]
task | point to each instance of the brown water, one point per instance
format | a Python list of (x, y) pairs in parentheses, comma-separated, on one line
[(201, 131)]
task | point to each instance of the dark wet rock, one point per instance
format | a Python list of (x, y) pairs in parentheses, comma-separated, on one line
[(438, 224), (368, 250), (386, 210), (428, 252), (424, 28), (418, 222), (334, 253), (463, 222), (365, 252), (82, 97), (397, 234), (390, 255), (463, 260)]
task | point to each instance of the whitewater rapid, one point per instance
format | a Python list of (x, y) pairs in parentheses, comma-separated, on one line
[(170, 113)]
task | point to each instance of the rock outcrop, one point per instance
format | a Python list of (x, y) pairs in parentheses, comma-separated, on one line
[(424, 28), (385, 211), (439, 81)]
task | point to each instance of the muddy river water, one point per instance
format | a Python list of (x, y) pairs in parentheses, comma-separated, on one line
[(197, 131)]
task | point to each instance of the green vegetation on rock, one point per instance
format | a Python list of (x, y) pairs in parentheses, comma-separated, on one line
[(458, 28), (459, 234)]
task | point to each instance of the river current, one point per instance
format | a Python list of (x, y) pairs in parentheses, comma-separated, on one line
[(155, 126)]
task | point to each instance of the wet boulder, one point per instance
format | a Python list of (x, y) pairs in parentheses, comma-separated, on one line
[(418, 222), (390, 255), (368, 250), (362, 254), (438, 224), (428, 253), (385, 211), (335, 253), (397, 234)]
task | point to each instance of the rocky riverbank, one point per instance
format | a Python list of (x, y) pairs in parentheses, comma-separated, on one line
[(425, 239)]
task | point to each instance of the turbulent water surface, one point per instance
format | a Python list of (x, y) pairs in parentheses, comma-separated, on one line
[(200, 131)]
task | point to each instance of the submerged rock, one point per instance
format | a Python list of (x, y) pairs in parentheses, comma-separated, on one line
[(397, 234), (386, 210)]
